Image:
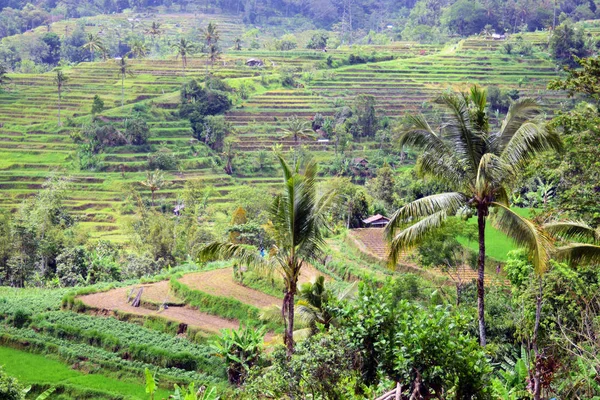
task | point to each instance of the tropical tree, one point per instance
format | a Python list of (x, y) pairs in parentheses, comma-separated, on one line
[(138, 48), (154, 30), (241, 349), (213, 54), (154, 181), (123, 71), (479, 166), (297, 217), (311, 305), (184, 48), (211, 36), (297, 129), (93, 44), (60, 79)]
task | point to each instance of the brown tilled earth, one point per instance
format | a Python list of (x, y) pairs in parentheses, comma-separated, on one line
[(217, 282), (116, 300)]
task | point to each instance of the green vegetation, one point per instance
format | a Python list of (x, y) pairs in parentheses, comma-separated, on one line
[(38, 370), (139, 140)]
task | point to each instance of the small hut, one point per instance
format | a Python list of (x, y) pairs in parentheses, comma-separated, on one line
[(376, 221)]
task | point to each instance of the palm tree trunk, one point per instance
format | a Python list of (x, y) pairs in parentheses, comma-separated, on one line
[(289, 329), (537, 384), (59, 96), (481, 214)]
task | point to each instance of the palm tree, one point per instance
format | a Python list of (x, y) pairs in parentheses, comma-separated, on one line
[(123, 71), (311, 306), (154, 181), (213, 54), (138, 48), (60, 79), (297, 216), (183, 48), (479, 166), (211, 36), (93, 44), (297, 129), (584, 246), (154, 30)]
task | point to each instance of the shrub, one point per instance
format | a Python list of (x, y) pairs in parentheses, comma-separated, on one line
[(21, 318), (137, 131), (97, 105), (163, 159), (10, 389)]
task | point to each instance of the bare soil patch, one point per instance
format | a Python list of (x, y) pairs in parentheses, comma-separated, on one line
[(116, 300)]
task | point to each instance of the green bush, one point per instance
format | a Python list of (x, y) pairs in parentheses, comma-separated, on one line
[(21, 318)]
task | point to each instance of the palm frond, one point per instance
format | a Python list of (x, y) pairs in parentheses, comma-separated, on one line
[(519, 112), (413, 235), (526, 234), (449, 202), (420, 135), (531, 138), (468, 145), (218, 250), (579, 253), (573, 230), (492, 172), (447, 169)]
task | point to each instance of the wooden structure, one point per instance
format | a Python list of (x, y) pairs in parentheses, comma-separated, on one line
[(376, 221)]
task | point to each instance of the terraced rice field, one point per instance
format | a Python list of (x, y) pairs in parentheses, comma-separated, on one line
[(32, 145)]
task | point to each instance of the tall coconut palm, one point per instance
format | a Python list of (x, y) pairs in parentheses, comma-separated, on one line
[(297, 216), (298, 129), (154, 181), (213, 54), (479, 166), (60, 79), (183, 48), (124, 70), (154, 30), (210, 36), (94, 44)]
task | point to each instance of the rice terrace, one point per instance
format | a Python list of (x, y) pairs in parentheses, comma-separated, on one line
[(338, 199)]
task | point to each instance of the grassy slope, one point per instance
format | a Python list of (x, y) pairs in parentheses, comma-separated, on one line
[(33, 368), (497, 243)]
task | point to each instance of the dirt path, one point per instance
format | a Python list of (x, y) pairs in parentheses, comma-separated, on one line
[(116, 300)]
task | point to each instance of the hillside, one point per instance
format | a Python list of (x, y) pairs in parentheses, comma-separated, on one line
[(32, 144)]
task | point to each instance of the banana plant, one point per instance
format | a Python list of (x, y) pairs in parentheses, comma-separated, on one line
[(241, 349), (190, 393)]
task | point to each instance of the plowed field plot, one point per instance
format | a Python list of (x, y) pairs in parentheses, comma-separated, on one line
[(116, 300)]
